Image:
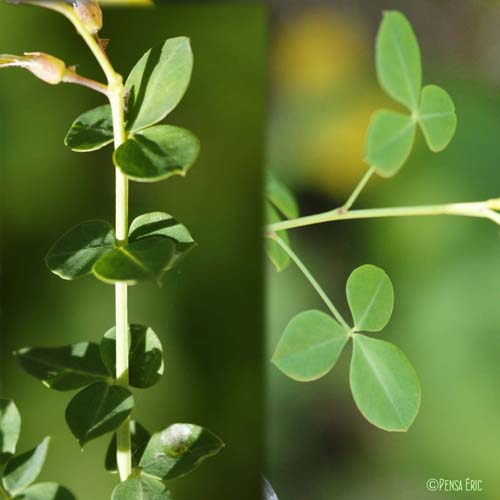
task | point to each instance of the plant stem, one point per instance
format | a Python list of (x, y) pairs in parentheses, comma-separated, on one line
[(67, 11), (312, 281), (482, 209), (72, 77), (357, 190), (123, 440), (115, 93)]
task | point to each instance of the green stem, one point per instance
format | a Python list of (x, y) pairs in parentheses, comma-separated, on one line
[(123, 440), (357, 190), (482, 209), (67, 11), (115, 93), (312, 281)]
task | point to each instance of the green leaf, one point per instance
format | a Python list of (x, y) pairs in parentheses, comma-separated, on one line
[(177, 450), (75, 253), (22, 470), (384, 384), (10, 429), (310, 346), (64, 368), (46, 491), (157, 153), (141, 260), (281, 197), (145, 355), (139, 440), (158, 82), (98, 409), (276, 254), (389, 141), (437, 117), (371, 298), (143, 488), (397, 58), (91, 131), (162, 224)]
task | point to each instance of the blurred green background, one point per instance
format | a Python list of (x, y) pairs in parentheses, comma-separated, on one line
[(208, 314), (445, 271)]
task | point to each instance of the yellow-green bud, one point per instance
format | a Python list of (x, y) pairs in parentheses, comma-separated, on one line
[(44, 66), (90, 13)]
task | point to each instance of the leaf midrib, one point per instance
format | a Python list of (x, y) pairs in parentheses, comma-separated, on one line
[(65, 368), (93, 424), (396, 137), (430, 116), (135, 260), (370, 304), (399, 52), (381, 382), (82, 249), (310, 348)]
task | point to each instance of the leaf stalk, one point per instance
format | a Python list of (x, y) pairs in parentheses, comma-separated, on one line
[(357, 190), (314, 283)]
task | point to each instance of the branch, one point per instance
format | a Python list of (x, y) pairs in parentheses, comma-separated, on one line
[(481, 209), (72, 77)]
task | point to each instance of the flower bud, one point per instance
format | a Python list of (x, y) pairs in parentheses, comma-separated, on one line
[(47, 68), (44, 66), (90, 13)]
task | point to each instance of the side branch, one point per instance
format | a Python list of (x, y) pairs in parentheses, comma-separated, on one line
[(73, 77), (482, 209)]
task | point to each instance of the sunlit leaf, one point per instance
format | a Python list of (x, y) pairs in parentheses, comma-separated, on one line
[(143, 488), (92, 130), (10, 429), (398, 64), (177, 450), (157, 153), (162, 224), (141, 260), (158, 82), (64, 368), (310, 346), (145, 355), (22, 470), (437, 117), (98, 409), (75, 253), (139, 438), (389, 141), (384, 384), (371, 298)]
